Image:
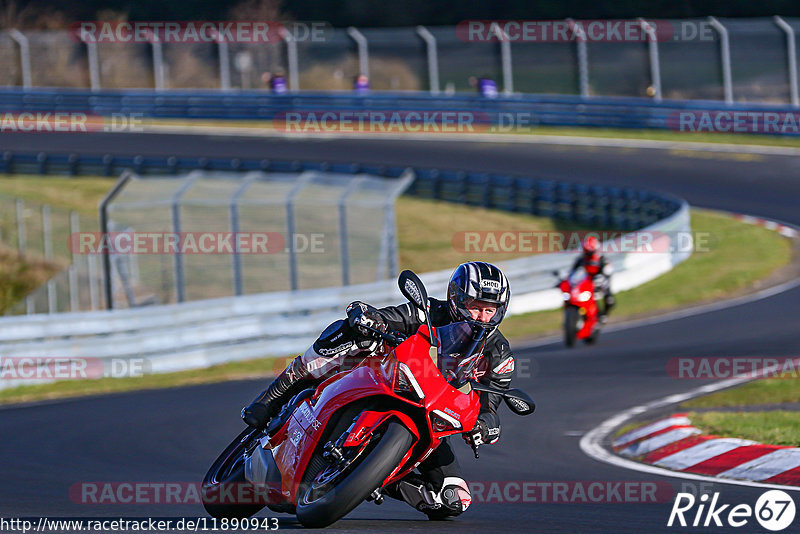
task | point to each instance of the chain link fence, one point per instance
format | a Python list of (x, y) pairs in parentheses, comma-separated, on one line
[(745, 60)]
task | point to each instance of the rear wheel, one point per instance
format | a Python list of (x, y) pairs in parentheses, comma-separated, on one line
[(228, 470), (570, 325), (337, 488)]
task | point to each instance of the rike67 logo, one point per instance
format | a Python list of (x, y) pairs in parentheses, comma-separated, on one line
[(774, 510)]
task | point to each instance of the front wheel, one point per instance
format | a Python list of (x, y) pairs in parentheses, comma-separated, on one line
[(228, 470), (570, 325), (335, 491)]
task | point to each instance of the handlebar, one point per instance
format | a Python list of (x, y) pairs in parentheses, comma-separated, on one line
[(393, 339)]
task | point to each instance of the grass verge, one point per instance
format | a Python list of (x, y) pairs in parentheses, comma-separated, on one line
[(612, 133), (705, 276), (772, 427)]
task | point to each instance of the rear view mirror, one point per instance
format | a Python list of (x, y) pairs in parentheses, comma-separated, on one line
[(412, 288), (519, 402)]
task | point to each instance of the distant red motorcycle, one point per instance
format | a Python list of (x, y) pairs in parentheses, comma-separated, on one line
[(339, 444), (580, 308)]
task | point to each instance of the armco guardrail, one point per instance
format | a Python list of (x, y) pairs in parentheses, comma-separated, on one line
[(202, 333), (501, 112)]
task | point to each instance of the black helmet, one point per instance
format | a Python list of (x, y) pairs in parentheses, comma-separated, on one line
[(481, 281)]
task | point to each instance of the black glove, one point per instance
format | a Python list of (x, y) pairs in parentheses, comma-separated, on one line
[(256, 415), (360, 315), (477, 436)]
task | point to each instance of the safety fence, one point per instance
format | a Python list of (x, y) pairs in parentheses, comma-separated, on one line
[(201, 333), (700, 58)]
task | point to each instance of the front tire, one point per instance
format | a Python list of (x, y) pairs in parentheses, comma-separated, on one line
[(570, 325), (229, 469), (327, 508)]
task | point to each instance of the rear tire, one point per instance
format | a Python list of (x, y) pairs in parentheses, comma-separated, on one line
[(570, 325), (367, 476)]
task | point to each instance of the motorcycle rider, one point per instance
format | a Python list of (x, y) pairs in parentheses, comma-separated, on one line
[(478, 292), (599, 269)]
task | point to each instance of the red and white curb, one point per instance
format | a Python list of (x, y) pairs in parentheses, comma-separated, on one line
[(673, 443), (782, 229)]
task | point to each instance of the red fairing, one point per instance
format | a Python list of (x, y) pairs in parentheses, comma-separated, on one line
[(410, 384), (588, 307)]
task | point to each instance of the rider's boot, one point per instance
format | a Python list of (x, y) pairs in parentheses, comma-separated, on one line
[(284, 387)]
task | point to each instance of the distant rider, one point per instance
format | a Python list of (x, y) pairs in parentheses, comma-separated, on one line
[(599, 269), (477, 292)]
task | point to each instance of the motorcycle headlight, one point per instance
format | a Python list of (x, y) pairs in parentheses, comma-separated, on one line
[(406, 382), (584, 296), (565, 295), (441, 422)]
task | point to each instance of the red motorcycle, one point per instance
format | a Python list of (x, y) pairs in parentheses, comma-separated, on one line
[(337, 445), (580, 308)]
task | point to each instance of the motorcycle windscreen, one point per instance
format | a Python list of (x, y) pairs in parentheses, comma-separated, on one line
[(577, 277), (460, 349)]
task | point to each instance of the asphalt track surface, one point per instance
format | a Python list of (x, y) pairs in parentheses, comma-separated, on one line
[(173, 435)]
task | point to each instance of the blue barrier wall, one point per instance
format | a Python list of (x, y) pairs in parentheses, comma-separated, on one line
[(548, 110)]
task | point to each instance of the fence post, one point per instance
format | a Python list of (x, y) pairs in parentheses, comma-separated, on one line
[(94, 65), (344, 249), (234, 220), (363, 51), (224, 62), (433, 59), (103, 210), (652, 48), (583, 56), (21, 241), (791, 53), (158, 61), (291, 57), (47, 238), (180, 283), (725, 58), (25, 56), (505, 54), (301, 182), (74, 229)]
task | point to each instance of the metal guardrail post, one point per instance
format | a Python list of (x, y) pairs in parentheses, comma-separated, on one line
[(103, 211), (652, 48), (233, 209), (180, 282), (74, 230), (158, 61), (791, 53), (505, 55), (363, 50), (47, 239), (291, 58), (433, 59), (302, 181), (24, 56), (94, 65), (725, 58), (583, 56)]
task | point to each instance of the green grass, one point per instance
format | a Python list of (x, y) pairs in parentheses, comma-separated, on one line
[(725, 268), (759, 392), (614, 133), (773, 428)]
